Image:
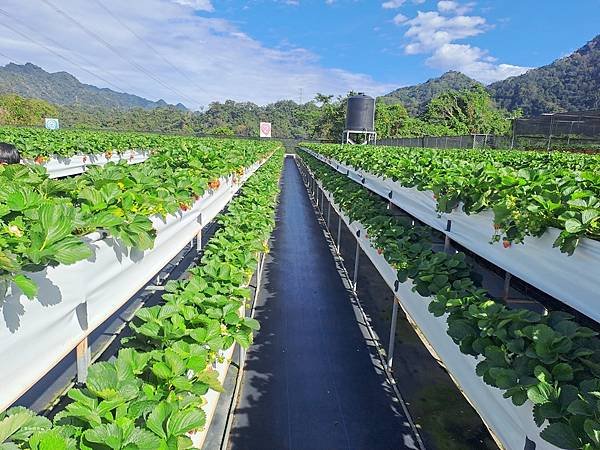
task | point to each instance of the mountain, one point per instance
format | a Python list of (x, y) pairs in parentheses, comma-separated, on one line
[(416, 97), (571, 83), (62, 88)]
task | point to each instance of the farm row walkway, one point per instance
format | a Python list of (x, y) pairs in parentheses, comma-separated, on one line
[(310, 381)]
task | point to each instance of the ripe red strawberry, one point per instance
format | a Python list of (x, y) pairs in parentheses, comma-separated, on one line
[(183, 206), (506, 243), (40, 159)]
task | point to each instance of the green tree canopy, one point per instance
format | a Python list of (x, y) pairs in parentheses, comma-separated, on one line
[(15, 110)]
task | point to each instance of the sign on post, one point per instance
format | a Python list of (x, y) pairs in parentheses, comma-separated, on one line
[(51, 124), (265, 129)]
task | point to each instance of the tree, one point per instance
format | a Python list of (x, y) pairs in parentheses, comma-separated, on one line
[(221, 131), (15, 110), (468, 111)]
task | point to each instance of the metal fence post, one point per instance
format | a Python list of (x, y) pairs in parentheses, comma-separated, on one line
[(328, 212), (393, 333)]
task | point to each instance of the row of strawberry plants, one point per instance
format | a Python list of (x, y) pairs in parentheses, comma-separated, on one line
[(40, 143), (550, 360), (151, 395), (528, 191), (43, 220)]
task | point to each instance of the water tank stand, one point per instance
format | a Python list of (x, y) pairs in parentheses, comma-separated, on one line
[(352, 137)]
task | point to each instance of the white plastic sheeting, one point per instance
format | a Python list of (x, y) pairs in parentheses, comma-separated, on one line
[(570, 279), (58, 167), (510, 424), (73, 300)]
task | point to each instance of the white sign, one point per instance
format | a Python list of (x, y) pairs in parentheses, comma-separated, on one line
[(265, 129), (52, 124)]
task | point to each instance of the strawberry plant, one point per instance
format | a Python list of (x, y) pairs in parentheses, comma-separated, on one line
[(528, 192), (42, 221), (151, 395), (551, 360)]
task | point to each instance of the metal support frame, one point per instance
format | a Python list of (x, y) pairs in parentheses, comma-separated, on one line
[(349, 135), (506, 290), (328, 212), (447, 241), (199, 241), (355, 274), (339, 232), (393, 325), (84, 359)]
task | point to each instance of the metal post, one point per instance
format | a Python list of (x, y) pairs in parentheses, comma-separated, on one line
[(447, 238), (550, 134), (84, 359), (507, 278), (356, 256), (393, 333), (339, 233), (514, 131), (322, 202), (328, 213), (199, 241)]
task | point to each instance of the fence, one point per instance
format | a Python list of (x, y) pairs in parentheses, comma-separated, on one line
[(579, 131), (467, 141)]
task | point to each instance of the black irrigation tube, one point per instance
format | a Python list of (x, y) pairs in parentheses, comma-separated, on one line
[(319, 211)]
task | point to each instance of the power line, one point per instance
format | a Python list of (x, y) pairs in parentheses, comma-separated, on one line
[(106, 44), (57, 44), (9, 58), (24, 36), (147, 44)]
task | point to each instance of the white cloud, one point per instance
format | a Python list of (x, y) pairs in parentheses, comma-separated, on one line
[(399, 19), (217, 59), (200, 5), (433, 33), (392, 4), (450, 6), (472, 61), (429, 30)]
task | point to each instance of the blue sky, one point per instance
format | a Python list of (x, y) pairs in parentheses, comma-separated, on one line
[(198, 51)]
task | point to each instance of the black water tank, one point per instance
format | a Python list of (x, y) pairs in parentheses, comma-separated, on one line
[(360, 115)]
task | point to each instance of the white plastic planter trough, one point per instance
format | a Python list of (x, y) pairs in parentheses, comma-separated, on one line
[(73, 300), (59, 167), (510, 424), (571, 279)]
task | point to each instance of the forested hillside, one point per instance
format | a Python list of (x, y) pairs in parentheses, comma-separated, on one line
[(568, 84), (415, 98), (62, 88)]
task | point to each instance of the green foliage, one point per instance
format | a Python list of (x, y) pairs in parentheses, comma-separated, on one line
[(568, 84), (528, 192), (15, 110), (151, 396), (43, 221), (62, 88), (415, 98), (550, 361), (469, 111), (221, 131)]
